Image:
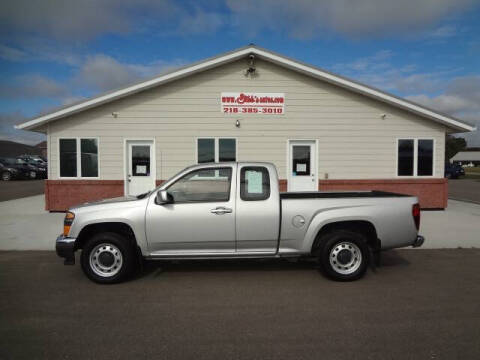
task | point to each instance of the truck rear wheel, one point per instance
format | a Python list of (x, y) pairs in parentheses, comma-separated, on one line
[(344, 255), (107, 258)]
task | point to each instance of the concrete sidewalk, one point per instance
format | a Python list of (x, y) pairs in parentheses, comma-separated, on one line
[(457, 226), (25, 225)]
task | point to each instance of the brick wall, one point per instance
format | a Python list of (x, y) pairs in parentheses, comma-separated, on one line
[(62, 194)]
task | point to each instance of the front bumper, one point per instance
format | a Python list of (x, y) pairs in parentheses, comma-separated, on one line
[(418, 241), (65, 247)]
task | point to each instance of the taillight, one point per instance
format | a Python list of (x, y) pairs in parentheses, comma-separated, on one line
[(416, 215), (67, 223)]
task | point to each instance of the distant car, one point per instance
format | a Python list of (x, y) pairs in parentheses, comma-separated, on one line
[(8, 173), (453, 171), (17, 169), (36, 159), (39, 165)]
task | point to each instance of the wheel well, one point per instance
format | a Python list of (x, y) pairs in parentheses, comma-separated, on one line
[(116, 227), (362, 226)]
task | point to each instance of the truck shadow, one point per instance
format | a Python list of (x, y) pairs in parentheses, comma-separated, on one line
[(157, 268)]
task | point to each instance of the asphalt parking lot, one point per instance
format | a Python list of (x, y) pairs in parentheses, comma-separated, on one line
[(16, 189), (464, 189), (418, 305)]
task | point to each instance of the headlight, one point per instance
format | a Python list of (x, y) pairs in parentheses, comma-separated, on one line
[(67, 222)]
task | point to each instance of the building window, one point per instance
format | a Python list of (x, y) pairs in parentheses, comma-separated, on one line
[(425, 157), (415, 157), (89, 153), (68, 157), (405, 157), (254, 183), (206, 150), (78, 157), (216, 150)]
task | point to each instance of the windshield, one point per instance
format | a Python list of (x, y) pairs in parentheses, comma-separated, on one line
[(20, 161), (141, 196)]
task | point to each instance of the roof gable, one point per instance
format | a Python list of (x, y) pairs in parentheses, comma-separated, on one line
[(449, 121)]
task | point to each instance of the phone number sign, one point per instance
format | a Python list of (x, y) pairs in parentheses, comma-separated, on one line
[(253, 103)]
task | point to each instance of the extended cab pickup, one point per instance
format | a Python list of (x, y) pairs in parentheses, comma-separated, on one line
[(235, 210)]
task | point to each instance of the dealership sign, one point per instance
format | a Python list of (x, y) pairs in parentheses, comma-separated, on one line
[(253, 103)]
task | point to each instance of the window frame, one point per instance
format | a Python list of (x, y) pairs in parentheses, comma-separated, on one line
[(78, 140), (242, 183), (217, 147), (415, 157), (210, 201)]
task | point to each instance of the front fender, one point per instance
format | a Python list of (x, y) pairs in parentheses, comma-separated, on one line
[(134, 217)]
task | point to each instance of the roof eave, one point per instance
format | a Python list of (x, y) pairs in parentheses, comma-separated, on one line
[(450, 122)]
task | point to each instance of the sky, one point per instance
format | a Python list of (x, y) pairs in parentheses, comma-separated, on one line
[(56, 52)]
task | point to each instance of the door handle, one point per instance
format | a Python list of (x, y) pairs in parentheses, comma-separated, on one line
[(221, 210)]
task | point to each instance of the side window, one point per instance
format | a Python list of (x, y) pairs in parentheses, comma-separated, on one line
[(204, 185), (254, 183)]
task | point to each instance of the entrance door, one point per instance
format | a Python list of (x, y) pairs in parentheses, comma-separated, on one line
[(302, 166), (140, 176)]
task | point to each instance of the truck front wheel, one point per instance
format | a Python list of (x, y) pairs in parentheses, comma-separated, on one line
[(344, 255), (107, 258)]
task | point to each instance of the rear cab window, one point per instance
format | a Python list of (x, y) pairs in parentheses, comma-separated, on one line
[(254, 183)]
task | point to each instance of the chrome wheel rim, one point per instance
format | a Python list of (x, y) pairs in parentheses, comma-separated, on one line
[(33, 174), (345, 258), (6, 176), (106, 260)]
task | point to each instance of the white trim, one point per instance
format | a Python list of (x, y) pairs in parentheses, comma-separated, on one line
[(235, 55), (415, 158), (79, 158), (153, 160), (216, 147), (289, 161)]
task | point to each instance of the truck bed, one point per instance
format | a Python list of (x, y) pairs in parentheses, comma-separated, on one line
[(338, 194)]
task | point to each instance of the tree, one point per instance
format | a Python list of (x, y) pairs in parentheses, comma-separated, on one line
[(453, 145)]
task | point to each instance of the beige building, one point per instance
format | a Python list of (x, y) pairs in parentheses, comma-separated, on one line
[(322, 132)]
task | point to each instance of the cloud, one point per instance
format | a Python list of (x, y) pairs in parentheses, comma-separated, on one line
[(8, 132), (32, 86), (72, 19), (310, 18), (200, 22), (378, 71), (461, 99), (12, 54), (442, 32), (102, 72)]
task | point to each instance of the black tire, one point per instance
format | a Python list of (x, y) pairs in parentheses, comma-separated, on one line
[(107, 245), (344, 255), (6, 176)]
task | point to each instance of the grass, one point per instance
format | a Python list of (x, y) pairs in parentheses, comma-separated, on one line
[(472, 173), (473, 170)]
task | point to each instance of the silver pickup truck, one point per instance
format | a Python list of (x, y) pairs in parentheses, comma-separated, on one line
[(235, 210)]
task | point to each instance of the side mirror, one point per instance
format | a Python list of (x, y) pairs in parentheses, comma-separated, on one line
[(163, 197)]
